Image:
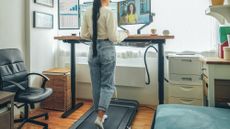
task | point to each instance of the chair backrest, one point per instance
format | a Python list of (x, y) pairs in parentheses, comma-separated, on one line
[(12, 68)]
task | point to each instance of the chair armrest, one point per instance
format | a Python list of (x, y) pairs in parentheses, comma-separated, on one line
[(16, 84), (41, 75)]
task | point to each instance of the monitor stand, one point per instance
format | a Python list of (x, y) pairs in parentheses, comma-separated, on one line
[(142, 27), (139, 30)]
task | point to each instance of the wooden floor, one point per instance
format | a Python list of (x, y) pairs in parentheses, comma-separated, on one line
[(143, 119)]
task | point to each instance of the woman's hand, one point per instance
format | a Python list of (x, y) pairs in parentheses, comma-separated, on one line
[(127, 32)]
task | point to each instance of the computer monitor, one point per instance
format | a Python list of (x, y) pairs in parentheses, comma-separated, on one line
[(134, 12)]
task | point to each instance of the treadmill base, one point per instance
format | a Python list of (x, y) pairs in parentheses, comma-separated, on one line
[(121, 113)]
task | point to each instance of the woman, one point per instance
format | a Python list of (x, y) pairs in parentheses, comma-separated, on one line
[(131, 13), (100, 26)]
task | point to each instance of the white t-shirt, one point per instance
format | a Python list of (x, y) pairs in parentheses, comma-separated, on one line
[(107, 26)]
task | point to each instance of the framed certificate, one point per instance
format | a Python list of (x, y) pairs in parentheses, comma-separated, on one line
[(42, 20), (49, 3), (68, 14)]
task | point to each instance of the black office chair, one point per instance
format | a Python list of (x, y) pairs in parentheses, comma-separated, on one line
[(14, 78)]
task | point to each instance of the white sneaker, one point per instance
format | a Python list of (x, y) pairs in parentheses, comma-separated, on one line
[(99, 123), (104, 118)]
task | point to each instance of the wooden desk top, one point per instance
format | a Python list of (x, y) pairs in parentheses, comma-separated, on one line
[(67, 37), (5, 95), (57, 71), (216, 60), (130, 37), (149, 36)]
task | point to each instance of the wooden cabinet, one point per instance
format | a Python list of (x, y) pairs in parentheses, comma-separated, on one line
[(6, 110), (217, 82), (60, 83)]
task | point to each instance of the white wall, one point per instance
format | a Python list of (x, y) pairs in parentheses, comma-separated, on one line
[(12, 24), (42, 46), (12, 27)]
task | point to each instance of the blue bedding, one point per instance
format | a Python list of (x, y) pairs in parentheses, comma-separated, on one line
[(173, 116)]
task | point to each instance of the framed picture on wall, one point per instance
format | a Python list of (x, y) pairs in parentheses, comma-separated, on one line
[(42, 20), (49, 3), (68, 14)]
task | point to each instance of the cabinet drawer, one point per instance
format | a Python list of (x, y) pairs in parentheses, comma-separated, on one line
[(186, 101), (185, 66), (186, 79), (185, 91), (5, 120)]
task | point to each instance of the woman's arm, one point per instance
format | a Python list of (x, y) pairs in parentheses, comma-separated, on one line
[(85, 34), (136, 18), (113, 34)]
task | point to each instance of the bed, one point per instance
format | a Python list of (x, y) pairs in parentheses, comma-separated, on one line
[(173, 116)]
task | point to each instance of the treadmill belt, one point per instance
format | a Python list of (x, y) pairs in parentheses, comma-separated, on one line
[(120, 115)]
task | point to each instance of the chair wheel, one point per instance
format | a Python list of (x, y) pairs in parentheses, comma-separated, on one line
[(46, 117), (21, 115), (45, 127)]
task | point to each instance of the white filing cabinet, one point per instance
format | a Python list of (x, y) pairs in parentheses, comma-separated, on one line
[(184, 79)]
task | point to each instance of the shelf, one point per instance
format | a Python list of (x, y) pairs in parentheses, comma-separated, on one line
[(220, 12)]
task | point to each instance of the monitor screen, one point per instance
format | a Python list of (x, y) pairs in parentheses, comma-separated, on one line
[(134, 12)]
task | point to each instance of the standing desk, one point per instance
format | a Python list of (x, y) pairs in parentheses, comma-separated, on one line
[(142, 38), (160, 41), (72, 40)]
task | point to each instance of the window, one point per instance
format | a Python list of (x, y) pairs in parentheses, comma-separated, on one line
[(186, 19)]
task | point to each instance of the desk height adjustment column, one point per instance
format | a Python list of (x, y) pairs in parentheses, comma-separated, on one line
[(74, 105), (161, 71)]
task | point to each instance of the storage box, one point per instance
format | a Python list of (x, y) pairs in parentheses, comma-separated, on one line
[(228, 38), (221, 49), (224, 31), (185, 101), (185, 82), (217, 2), (227, 53), (185, 64), (185, 91), (60, 83), (188, 79)]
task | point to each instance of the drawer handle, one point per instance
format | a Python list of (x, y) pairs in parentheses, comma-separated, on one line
[(186, 101), (186, 88), (186, 60), (203, 69), (186, 78)]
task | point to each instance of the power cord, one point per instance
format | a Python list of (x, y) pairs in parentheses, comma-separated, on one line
[(145, 61)]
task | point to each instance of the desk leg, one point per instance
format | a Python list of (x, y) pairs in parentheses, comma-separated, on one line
[(160, 77), (74, 106), (161, 72)]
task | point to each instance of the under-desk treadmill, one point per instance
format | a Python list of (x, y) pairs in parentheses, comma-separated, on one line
[(120, 116)]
